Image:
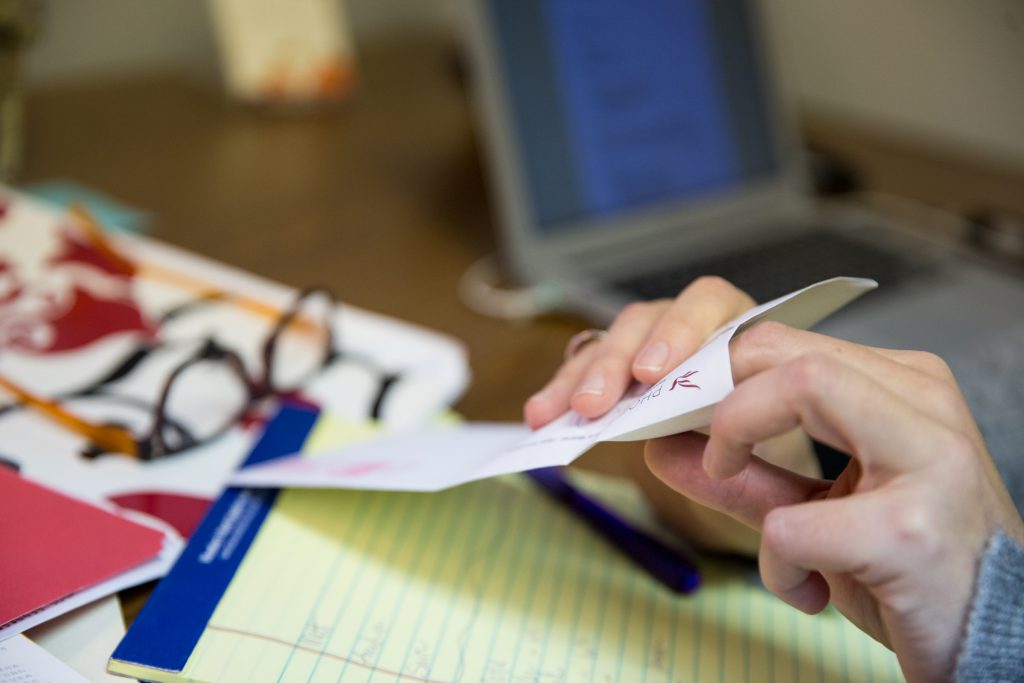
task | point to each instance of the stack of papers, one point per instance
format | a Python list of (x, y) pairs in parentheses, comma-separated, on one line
[(73, 320), (61, 552)]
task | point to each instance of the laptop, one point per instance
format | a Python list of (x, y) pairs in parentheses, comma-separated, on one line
[(634, 146)]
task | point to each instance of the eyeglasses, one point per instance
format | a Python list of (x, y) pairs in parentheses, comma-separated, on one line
[(212, 389)]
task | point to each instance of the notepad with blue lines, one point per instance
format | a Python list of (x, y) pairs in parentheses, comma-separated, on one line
[(489, 581)]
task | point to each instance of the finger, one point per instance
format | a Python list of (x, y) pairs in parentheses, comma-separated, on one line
[(840, 535), (918, 378), (833, 402), (553, 399), (747, 497), (704, 306), (607, 375)]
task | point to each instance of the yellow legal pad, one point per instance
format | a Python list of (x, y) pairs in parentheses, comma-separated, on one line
[(493, 582)]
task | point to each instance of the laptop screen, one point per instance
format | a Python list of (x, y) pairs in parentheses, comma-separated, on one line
[(620, 107)]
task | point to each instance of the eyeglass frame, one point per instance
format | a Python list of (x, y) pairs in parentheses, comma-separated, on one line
[(154, 446), (105, 438)]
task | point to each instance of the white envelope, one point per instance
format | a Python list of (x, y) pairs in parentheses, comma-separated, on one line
[(442, 457)]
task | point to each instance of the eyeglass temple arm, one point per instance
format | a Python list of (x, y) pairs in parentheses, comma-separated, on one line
[(94, 232), (107, 437)]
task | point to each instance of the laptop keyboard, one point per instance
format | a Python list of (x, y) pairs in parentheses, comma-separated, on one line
[(769, 270)]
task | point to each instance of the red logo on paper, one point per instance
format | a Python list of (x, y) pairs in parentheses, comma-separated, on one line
[(58, 292), (685, 382)]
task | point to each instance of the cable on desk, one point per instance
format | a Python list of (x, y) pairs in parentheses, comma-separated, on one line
[(998, 233), (940, 222), (479, 290)]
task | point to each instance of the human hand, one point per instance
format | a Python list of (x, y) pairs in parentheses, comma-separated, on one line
[(643, 343), (646, 341), (895, 541)]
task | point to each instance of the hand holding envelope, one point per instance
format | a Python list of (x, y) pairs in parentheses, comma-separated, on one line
[(448, 456)]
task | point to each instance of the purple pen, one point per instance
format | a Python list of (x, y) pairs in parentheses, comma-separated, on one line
[(664, 563)]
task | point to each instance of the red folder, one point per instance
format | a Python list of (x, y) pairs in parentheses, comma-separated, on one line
[(52, 546)]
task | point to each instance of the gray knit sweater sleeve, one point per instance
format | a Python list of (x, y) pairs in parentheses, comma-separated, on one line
[(994, 647)]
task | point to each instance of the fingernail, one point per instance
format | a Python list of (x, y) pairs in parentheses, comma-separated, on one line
[(708, 463), (705, 462), (593, 384), (653, 357)]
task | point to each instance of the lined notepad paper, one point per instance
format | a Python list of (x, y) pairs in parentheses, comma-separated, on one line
[(493, 582)]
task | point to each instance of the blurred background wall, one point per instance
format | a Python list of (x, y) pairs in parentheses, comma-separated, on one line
[(948, 72), (939, 72), (111, 38)]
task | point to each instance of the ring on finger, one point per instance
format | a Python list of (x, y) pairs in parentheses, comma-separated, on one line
[(581, 339)]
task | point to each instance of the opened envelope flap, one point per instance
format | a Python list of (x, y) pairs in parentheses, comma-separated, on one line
[(807, 307), (684, 399)]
